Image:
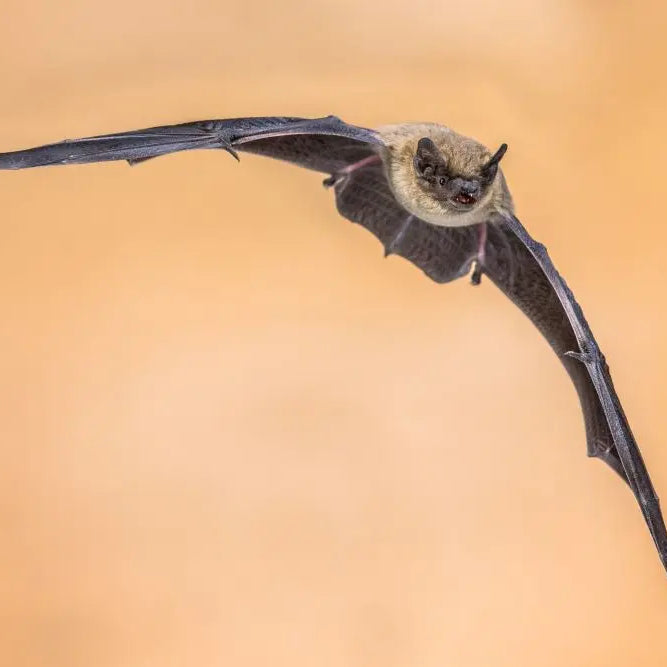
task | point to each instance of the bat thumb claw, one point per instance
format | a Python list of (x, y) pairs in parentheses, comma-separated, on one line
[(233, 153), (579, 356)]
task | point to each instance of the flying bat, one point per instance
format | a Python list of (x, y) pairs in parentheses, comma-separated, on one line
[(434, 197)]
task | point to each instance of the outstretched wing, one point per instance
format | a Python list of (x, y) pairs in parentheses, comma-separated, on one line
[(521, 268), (513, 269), (323, 144)]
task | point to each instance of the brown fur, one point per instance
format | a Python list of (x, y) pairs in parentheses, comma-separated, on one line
[(464, 156)]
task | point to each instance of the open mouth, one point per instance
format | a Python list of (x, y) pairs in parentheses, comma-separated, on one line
[(465, 199)]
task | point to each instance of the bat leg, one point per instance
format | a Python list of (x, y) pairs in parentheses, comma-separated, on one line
[(332, 181), (343, 173), (483, 232)]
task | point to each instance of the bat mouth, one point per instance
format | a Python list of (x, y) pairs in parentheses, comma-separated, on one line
[(464, 199)]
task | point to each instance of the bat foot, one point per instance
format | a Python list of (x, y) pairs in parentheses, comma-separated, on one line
[(332, 181), (478, 271)]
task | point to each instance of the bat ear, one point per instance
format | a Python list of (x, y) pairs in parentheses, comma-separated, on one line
[(491, 167), (427, 158), (428, 151)]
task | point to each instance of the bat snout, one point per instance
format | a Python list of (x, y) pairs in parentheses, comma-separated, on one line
[(466, 193)]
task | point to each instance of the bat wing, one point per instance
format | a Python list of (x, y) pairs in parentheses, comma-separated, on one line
[(323, 144), (521, 268)]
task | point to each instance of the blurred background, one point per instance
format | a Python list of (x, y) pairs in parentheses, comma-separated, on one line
[(233, 434)]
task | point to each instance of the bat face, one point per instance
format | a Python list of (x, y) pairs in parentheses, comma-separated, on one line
[(456, 190), (441, 176)]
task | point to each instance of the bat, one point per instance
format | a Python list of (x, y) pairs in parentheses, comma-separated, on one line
[(438, 199)]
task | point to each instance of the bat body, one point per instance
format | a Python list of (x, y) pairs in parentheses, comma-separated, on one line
[(440, 200)]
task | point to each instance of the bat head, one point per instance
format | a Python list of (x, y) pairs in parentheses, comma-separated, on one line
[(457, 174)]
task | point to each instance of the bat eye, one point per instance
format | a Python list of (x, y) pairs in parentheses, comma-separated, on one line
[(442, 181)]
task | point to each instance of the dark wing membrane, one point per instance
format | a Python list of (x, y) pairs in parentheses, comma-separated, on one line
[(512, 268), (327, 153), (443, 253), (287, 137), (522, 269)]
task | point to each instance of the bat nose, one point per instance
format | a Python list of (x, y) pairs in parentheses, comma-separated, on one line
[(467, 192), (470, 188)]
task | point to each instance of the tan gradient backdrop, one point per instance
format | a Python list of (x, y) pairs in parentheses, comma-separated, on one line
[(233, 434)]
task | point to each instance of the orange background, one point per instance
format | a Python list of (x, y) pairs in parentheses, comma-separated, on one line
[(233, 434)]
